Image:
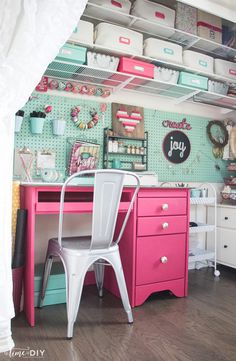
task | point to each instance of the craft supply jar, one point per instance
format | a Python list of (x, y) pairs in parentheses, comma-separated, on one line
[(115, 146), (121, 147), (137, 150), (110, 146), (141, 150), (132, 149), (128, 149)]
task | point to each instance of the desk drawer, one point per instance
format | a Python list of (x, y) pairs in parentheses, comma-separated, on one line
[(148, 226), (226, 218), (162, 206), (153, 252)]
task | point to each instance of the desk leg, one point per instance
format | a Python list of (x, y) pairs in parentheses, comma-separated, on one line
[(29, 204)]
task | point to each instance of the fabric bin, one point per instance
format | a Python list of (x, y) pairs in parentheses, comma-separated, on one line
[(198, 61), (217, 87), (193, 80), (119, 38), (225, 68), (229, 36), (186, 18), (117, 5), (83, 33), (209, 26), (102, 61), (136, 67), (166, 75), (157, 14), (163, 50), (73, 53)]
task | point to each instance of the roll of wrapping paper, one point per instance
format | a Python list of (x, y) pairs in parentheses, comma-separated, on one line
[(15, 207), (19, 252)]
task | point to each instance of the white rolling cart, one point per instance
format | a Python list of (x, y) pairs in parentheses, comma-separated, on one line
[(202, 255)]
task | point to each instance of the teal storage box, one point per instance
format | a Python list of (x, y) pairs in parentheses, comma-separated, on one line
[(52, 297), (193, 80), (56, 289), (72, 53)]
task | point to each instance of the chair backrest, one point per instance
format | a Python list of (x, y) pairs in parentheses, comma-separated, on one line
[(108, 187)]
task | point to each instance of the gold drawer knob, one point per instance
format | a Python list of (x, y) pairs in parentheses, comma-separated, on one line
[(165, 225), (164, 259), (165, 206)]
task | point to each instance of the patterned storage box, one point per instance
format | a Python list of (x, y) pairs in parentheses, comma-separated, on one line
[(118, 5), (73, 53), (209, 26), (217, 87), (166, 75), (229, 36), (83, 33), (163, 50), (102, 61), (198, 61), (119, 38), (132, 66), (193, 80), (186, 18), (225, 68), (155, 13)]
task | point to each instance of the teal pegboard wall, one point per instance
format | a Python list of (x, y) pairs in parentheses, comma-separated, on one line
[(199, 167)]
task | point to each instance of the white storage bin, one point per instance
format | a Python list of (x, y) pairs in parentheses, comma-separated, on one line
[(117, 5), (83, 33), (166, 75), (225, 68), (119, 38), (198, 61), (102, 61), (155, 13), (217, 87), (163, 50)]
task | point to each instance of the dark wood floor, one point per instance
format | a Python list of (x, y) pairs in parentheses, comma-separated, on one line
[(201, 327)]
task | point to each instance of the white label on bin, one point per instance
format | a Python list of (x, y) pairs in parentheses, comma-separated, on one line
[(139, 68), (195, 81)]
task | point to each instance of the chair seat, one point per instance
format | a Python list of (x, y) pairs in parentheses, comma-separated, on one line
[(81, 244)]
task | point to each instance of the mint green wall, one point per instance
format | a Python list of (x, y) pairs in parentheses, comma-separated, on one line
[(200, 166)]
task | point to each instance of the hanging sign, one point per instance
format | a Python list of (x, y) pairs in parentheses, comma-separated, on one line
[(176, 146), (177, 125)]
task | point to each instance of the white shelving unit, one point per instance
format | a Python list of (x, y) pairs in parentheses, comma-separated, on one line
[(203, 255), (117, 81)]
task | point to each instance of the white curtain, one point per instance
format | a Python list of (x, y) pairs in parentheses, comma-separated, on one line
[(31, 33)]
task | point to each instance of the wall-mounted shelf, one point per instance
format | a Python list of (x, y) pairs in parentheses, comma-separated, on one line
[(126, 159), (120, 81), (188, 41)]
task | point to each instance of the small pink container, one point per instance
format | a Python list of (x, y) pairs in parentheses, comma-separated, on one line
[(17, 279), (136, 67)]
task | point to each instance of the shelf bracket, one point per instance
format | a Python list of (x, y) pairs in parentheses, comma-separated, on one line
[(186, 97)]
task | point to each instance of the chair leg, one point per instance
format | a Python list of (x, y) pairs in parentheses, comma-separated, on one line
[(45, 277), (99, 276), (75, 281), (115, 261)]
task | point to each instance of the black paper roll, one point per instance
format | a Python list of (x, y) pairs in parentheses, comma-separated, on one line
[(19, 252)]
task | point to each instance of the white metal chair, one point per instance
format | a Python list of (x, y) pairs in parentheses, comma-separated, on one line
[(79, 253)]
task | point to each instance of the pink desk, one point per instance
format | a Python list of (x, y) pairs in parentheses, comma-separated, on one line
[(154, 247), (46, 200)]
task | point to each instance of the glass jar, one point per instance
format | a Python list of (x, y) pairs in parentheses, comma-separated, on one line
[(110, 146), (137, 150), (115, 146), (141, 150), (128, 149), (121, 147), (132, 149)]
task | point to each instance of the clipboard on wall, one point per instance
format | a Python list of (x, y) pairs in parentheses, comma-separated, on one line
[(45, 159)]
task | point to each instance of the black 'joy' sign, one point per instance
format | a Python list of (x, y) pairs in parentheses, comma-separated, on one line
[(176, 146)]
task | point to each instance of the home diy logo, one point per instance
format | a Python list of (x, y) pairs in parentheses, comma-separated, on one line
[(25, 353)]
